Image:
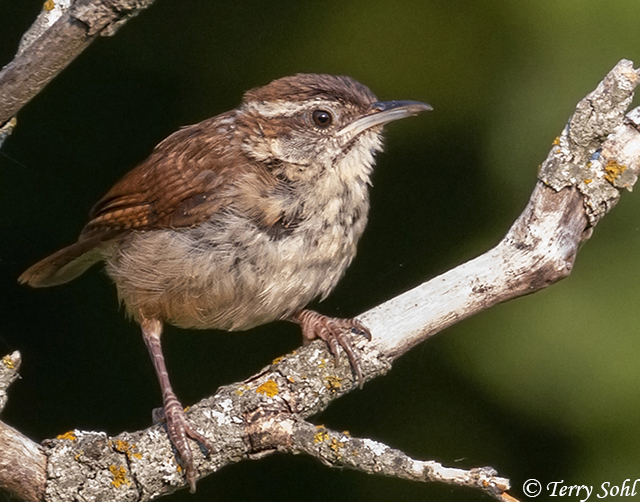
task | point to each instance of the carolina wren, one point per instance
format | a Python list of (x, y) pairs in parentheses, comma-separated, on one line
[(240, 220)]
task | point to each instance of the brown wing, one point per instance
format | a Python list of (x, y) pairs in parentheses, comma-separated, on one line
[(186, 179), (181, 184)]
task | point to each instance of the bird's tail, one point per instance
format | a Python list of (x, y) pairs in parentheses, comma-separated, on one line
[(64, 265)]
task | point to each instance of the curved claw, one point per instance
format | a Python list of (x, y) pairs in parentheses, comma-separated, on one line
[(179, 428), (332, 331), (361, 328)]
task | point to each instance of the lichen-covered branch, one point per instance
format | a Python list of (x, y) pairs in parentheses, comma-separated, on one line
[(260, 416), (579, 158), (142, 465), (339, 449), (9, 366), (59, 35), (22, 462)]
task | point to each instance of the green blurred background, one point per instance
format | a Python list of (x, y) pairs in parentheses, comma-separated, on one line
[(543, 387)]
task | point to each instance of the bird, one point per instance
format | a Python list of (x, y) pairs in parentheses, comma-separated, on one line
[(240, 220)]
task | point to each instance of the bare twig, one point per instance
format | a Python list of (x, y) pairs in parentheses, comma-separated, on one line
[(48, 48)]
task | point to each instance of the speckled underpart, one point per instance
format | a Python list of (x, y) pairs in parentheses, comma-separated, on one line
[(232, 273)]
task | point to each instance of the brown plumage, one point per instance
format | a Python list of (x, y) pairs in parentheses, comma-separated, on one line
[(239, 220)]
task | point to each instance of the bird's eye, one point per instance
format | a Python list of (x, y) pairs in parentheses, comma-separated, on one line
[(322, 118)]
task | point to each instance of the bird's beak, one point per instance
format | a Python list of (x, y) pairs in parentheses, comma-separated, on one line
[(383, 112)]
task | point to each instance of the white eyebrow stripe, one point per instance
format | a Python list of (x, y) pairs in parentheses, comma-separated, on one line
[(270, 109)]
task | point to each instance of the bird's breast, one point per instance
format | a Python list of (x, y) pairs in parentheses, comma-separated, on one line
[(230, 273)]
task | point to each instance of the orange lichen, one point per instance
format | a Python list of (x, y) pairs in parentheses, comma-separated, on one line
[(8, 362), (587, 181), (119, 476), (120, 445), (336, 445), (320, 436), (67, 435), (614, 170), (269, 388), (49, 5), (333, 383), (556, 141), (125, 447)]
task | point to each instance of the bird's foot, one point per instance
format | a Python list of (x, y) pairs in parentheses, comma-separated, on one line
[(179, 429), (333, 330)]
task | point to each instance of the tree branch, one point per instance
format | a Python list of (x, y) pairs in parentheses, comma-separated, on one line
[(9, 366), (595, 157), (339, 449), (57, 37), (22, 462)]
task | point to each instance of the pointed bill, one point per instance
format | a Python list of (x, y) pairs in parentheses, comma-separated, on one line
[(383, 112)]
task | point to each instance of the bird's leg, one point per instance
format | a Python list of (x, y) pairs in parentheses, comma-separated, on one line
[(178, 426), (332, 330)]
